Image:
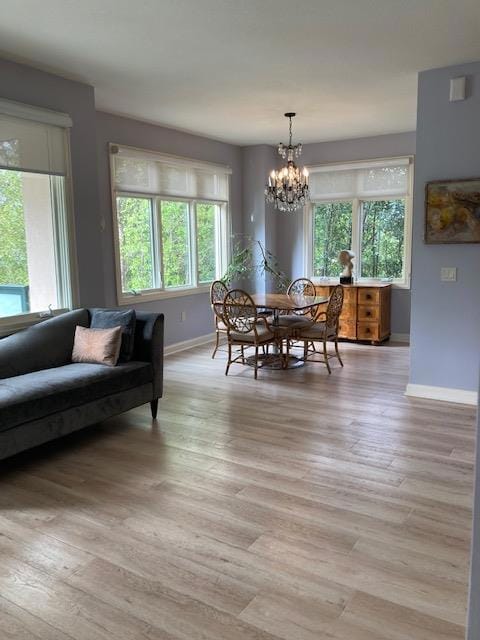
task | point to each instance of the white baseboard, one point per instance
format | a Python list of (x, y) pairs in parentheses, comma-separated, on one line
[(400, 337), (188, 344), (459, 396)]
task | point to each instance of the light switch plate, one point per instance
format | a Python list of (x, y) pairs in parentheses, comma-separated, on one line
[(457, 89), (448, 274)]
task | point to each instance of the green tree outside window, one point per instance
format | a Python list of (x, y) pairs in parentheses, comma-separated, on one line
[(175, 243), (332, 229), (383, 223), (136, 243), (206, 224), (13, 243)]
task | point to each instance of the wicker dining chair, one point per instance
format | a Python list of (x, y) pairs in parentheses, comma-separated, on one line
[(297, 319), (324, 330), (245, 328), (218, 291)]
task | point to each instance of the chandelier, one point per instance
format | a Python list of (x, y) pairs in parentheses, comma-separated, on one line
[(287, 189)]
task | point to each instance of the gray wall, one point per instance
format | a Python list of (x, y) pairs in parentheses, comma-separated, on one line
[(112, 128), (25, 84), (445, 334), (289, 231), (258, 218)]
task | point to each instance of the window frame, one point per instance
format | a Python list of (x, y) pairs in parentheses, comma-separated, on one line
[(308, 220), (65, 252), (160, 292)]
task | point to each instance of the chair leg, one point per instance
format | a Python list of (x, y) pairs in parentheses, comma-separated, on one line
[(305, 350), (256, 362), (243, 354), (154, 408), (338, 353), (229, 357), (325, 356), (217, 341), (287, 354)]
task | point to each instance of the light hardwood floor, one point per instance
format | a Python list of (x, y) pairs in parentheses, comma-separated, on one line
[(297, 507)]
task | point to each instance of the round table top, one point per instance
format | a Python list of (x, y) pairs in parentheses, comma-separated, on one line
[(286, 302)]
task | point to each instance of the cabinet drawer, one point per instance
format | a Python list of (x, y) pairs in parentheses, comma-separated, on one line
[(368, 296), (347, 329), (368, 331), (368, 313)]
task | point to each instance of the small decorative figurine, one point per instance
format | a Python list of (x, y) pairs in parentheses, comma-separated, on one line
[(345, 259)]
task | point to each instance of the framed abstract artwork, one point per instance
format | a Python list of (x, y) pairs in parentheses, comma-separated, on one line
[(452, 211)]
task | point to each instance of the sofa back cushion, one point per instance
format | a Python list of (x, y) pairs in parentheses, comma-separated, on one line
[(110, 318), (43, 346)]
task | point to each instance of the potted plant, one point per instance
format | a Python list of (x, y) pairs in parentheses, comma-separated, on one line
[(254, 259)]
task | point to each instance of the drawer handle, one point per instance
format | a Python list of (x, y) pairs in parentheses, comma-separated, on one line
[(368, 296), (367, 330), (368, 313)]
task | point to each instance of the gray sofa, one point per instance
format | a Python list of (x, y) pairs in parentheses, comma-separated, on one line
[(43, 395)]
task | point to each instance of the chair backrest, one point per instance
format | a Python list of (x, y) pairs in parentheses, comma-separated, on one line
[(303, 287), (218, 291), (334, 307), (239, 311)]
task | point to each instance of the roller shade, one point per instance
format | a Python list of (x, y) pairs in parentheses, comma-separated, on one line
[(375, 179), (138, 171), (29, 144)]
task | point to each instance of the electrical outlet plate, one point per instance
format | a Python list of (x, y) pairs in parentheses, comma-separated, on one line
[(448, 274)]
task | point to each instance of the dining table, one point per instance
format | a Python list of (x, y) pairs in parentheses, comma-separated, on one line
[(279, 303)]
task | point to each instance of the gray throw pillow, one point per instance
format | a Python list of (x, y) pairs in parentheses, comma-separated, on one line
[(108, 319)]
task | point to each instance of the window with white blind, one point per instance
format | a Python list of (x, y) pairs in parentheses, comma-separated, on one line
[(365, 207), (171, 223), (35, 225)]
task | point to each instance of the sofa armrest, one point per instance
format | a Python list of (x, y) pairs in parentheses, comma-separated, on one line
[(149, 346)]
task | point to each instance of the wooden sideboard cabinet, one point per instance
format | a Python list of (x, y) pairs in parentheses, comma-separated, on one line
[(366, 310)]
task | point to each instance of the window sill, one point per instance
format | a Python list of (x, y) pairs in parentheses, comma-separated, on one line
[(12, 324), (361, 281), (141, 298)]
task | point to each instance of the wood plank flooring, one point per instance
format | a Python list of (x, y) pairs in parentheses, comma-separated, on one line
[(297, 507)]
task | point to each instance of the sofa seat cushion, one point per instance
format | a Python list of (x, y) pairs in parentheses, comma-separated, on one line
[(35, 395)]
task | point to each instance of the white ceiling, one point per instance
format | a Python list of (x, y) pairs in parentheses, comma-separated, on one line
[(229, 69)]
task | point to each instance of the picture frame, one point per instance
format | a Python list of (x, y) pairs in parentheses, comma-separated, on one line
[(452, 211)]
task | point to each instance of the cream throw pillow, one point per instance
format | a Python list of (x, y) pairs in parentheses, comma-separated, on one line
[(97, 346)]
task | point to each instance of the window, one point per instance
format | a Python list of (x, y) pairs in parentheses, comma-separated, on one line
[(332, 227), (135, 231), (35, 252), (383, 224), (208, 230), (171, 220), (176, 244), (365, 207)]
